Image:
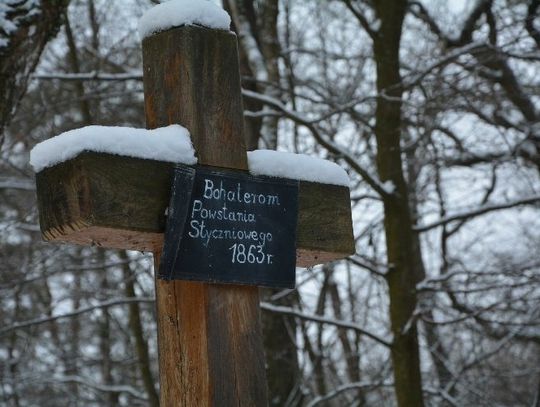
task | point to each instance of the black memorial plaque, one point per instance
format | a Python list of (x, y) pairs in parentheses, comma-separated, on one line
[(231, 227)]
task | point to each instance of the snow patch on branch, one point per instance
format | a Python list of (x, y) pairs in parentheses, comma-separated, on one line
[(296, 166), (389, 187), (278, 309), (171, 143), (175, 13), (117, 388), (528, 148), (254, 55), (375, 25), (90, 76), (12, 12), (480, 210)]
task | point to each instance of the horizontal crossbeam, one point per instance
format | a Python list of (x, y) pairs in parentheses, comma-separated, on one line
[(120, 202)]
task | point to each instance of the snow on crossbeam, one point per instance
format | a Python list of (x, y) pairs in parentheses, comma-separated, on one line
[(171, 143), (175, 13), (296, 166), (120, 202)]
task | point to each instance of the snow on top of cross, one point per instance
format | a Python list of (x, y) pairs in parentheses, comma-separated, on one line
[(175, 13), (296, 166), (171, 143)]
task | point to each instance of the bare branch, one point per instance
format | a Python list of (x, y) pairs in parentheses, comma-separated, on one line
[(373, 268), (17, 183), (347, 387), (532, 14), (465, 36), (361, 19), (323, 320), (90, 76), (476, 212), (370, 179), (448, 58), (117, 388), (31, 26), (79, 311)]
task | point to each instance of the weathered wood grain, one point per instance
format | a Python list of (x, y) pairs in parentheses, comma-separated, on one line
[(119, 202), (209, 336), (191, 77), (105, 200)]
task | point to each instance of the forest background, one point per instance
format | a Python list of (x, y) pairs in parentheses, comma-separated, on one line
[(433, 108)]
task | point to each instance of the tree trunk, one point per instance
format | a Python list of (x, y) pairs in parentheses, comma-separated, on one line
[(279, 337), (270, 50), (432, 336), (135, 326), (105, 340), (403, 273), (21, 48), (75, 65)]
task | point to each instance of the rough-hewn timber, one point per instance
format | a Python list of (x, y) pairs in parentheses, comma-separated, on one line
[(209, 336), (191, 77), (119, 202)]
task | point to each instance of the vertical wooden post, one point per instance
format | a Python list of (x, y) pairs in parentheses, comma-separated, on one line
[(209, 336)]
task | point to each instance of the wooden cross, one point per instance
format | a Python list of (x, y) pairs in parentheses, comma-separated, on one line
[(209, 335)]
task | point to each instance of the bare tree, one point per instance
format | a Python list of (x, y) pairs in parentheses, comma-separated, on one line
[(434, 114), (25, 28)]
